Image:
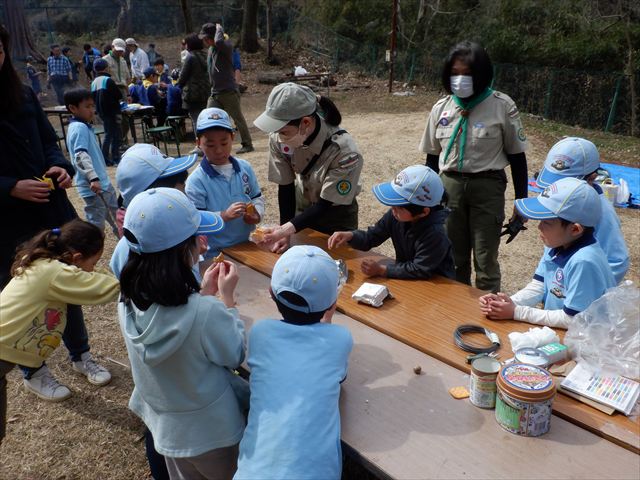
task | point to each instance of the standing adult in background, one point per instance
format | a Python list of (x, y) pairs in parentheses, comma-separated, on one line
[(152, 54), (224, 90), (58, 72), (120, 74), (194, 78), (29, 149), (138, 59), (66, 51), (90, 55), (470, 137)]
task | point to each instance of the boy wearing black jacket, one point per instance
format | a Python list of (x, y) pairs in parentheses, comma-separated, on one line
[(107, 97), (415, 224)]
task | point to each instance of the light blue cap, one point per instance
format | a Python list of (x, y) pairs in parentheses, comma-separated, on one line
[(417, 184), (570, 157), (161, 218), (307, 271), (211, 118), (143, 164), (569, 198)]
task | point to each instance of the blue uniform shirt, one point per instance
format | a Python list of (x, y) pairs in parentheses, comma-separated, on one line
[(575, 277), (609, 236), (210, 190), (82, 138)]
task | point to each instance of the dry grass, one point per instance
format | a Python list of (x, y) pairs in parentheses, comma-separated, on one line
[(93, 435)]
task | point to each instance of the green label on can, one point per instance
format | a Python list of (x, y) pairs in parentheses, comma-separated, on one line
[(507, 416)]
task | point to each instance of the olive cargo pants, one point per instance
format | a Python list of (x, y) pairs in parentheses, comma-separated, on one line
[(477, 214), (229, 101)]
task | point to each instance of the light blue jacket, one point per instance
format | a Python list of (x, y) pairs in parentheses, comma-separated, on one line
[(180, 360), (609, 236)]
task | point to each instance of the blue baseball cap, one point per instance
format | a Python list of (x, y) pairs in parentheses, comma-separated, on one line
[(161, 218), (147, 72), (570, 157), (417, 184), (212, 118), (569, 198), (142, 164), (307, 271)]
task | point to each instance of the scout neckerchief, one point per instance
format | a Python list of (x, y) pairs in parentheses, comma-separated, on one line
[(461, 126)]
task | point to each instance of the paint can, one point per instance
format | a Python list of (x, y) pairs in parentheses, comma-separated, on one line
[(482, 382), (532, 356), (524, 399)]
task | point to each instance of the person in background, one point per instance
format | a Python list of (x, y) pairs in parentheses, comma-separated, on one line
[(34, 77), (224, 91), (194, 78), (471, 136), (107, 97), (151, 53), (90, 55), (120, 75), (237, 70), (159, 67), (58, 72), (183, 51), (137, 58), (148, 93), (174, 96), (66, 51)]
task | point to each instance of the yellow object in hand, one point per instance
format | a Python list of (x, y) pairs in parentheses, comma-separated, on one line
[(48, 181)]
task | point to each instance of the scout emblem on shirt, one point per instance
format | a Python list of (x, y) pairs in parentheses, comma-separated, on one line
[(521, 136), (286, 149), (245, 181), (558, 281), (343, 187), (444, 118)]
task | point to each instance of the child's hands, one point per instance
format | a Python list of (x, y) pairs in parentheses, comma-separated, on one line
[(227, 282), (338, 239), (251, 215), (372, 268), (95, 186), (235, 210), (484, 301), (498, 307), (209, 284)]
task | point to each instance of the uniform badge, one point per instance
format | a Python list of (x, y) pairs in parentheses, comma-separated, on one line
[(444, 118), (286, 149), (513, 113), (245, 178), (215, 116), (557, 292), (561, 162), (343, 187), (479, 125), (550, 190), (521, 136)]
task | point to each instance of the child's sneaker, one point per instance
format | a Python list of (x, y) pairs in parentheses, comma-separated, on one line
[(96, 374), (45, 386)]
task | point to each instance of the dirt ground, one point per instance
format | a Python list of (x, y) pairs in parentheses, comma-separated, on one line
[(93, 434)]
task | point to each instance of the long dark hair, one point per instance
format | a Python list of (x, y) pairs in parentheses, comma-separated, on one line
[(76, 236), (10, 84), (476, 57), (162, 277)]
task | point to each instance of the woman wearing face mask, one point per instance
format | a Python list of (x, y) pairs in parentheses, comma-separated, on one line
[(470, 137), (315, 163)]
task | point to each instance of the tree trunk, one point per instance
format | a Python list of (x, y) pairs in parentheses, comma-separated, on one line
[(632, 79), (186, 13), (269, 39), (249, 41), (124, 26), (22, 44)]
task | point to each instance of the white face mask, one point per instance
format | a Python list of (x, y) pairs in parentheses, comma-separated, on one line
[(293, 142), (461, 85)]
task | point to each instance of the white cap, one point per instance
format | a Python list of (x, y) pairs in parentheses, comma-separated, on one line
[(118, 45)]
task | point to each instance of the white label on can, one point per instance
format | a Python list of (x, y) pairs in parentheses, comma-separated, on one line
[(482, 390)]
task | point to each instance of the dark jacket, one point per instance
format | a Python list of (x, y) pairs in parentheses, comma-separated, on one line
[(220, 65), (106, 95), (422, 247), (28, 148), (194, 79)]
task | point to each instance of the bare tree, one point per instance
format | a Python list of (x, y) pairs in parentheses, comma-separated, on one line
[(124, 24), (186, 13), (22, 44), (249, 42)]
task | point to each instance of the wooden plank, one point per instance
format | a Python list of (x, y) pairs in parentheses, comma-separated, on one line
[(408, 426), (424, 315)]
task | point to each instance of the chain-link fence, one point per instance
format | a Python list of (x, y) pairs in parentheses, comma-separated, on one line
[(597, 100)]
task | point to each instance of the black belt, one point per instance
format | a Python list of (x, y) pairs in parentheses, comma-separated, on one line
[(484, 174)]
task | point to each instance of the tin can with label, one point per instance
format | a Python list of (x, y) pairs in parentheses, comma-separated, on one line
[(482, 382), (524, 399), (532, 356)]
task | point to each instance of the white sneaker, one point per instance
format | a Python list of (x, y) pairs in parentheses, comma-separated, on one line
[(96, 374), (45, 386)]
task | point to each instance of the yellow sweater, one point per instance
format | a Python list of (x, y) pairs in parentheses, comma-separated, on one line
[(33, 307)]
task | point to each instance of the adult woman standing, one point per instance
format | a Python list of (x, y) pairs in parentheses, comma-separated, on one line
[(470, 137), (194, 78), (315, 163), (29, 150)]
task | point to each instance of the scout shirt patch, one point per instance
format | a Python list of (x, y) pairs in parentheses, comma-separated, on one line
[(444, 118), (343, 187), (286, 149), (521, 136), (558, 282), (245, 183), (513, 113), (349, 160)]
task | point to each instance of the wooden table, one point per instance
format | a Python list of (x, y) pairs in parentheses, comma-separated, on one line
[(424, 315), (403, 425)]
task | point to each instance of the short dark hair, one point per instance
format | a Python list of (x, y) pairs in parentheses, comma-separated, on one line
[(170, 181), (86, 46), (291, 315), (159, 61), (76, 96), (54, 45), (222, 129), (193, 42), (165, 277), (476, 57), (587, 230)]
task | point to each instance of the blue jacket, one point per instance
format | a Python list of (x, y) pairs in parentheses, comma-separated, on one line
[(180, 360), (609, 235)]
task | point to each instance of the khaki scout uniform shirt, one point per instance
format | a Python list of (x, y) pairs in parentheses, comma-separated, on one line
[(494, 130), (335, 176)]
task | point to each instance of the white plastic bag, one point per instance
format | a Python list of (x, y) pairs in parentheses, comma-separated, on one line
[(299, 71), (607, 334)]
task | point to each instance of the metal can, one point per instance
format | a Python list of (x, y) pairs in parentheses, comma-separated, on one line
[(482, 382), (532, 356)]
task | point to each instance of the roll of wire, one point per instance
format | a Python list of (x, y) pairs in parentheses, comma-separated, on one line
[(464, 329)]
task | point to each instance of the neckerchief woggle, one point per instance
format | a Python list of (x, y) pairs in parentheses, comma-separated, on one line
[(461, 126)]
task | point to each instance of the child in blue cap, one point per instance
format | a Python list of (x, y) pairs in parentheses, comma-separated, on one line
[(415, 223), (181, 339), (223, 183), (579, 158), (573, 270), (297, 364)]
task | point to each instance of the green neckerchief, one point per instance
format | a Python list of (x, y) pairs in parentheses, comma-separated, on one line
[(461, 126)]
